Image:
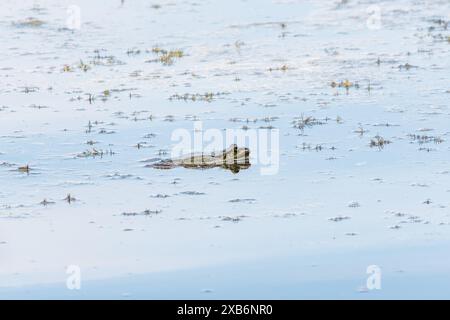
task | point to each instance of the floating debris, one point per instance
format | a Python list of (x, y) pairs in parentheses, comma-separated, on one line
[(339, 218), (24, 169), (407, 66), (306, 146), (104, 60), (421, 139), (242, 200), (45, 202), (192, 193), (206, 97), (133, 52), (143, 213), (379, 142), (30, 22), (166, 57), (344, 84), (283, 68), (83, 66), (69, 198), (306, 122), (160, 196), (354, 204), (232, 219), (361, 131), (93, 153)]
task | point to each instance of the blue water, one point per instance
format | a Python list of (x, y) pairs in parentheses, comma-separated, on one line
[(334, 206)]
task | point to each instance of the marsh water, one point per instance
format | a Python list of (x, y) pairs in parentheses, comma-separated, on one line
[(363, 179)]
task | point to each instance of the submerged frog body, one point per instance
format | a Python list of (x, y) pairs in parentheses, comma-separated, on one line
[(233, 159)]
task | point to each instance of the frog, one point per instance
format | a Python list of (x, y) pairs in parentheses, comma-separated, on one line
[(233, 158)]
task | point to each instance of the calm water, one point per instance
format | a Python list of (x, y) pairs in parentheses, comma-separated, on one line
[(336, 204)]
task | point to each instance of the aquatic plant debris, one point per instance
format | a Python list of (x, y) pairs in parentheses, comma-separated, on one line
[(168, 147), (30, 22), (166, 57)]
